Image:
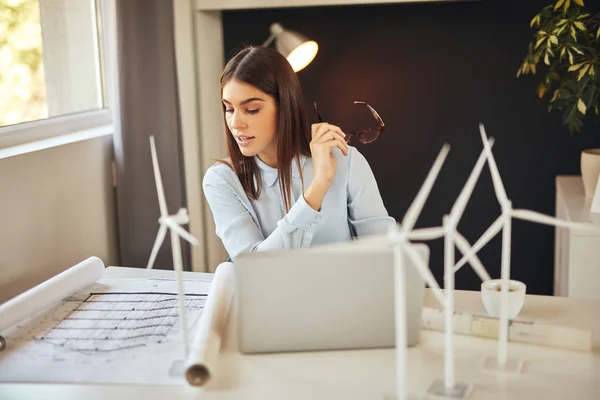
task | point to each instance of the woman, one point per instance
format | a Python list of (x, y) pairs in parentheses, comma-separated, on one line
[(285, 184)]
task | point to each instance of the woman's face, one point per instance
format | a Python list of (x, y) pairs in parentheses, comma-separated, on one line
[(252, 118)]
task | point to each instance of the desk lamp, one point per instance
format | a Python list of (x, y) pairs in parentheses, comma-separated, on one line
[(298, 49)]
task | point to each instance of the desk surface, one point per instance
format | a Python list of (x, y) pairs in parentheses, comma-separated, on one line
[(369, 374)]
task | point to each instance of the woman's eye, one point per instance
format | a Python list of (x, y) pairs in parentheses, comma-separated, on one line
[(252, 112), (229, 110)]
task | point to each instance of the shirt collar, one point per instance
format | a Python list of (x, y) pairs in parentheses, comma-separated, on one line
[(269, 174)]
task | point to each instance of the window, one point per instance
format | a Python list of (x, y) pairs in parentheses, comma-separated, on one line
[(54, 63), (49, 58)]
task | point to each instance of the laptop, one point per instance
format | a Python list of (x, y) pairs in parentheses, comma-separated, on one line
[(329, 297)]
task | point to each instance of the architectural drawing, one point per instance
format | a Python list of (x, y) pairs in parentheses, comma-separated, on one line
[(114, 331)]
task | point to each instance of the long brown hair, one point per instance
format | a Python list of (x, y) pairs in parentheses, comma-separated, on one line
[(269, 71)]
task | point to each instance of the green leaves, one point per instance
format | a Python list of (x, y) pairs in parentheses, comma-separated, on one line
[(574, 67), (576, 50), (535, 21), (539, 42), (546, 59), (583, 68), (566, 48), (541, 90), (564, 3), (583, 71), (555, 96), (560, 29), (570, 56), (581, 106)]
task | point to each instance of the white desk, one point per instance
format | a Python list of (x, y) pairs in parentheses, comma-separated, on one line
[(369, 374)]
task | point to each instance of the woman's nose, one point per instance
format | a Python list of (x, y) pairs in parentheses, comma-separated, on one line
[(237, 121)]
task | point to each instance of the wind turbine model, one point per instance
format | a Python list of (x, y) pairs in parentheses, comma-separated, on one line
[(503, 223), (399, 236), (173, 223), (449, 388)]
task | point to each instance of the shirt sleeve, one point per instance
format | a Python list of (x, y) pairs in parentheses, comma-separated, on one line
[(240, 232), (367, 214)]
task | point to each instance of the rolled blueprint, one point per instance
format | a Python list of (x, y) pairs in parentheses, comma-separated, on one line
[(529, 332), (49, 293), (201, 363)]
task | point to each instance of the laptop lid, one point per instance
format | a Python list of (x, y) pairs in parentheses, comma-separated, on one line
[(330, 297)]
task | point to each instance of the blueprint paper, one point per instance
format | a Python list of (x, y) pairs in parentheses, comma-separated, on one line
[(50, 292), (114, 331)]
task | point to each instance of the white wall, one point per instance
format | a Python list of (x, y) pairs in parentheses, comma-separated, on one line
[(56, 208)]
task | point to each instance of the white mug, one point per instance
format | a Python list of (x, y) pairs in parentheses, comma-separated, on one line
[(491, 295)]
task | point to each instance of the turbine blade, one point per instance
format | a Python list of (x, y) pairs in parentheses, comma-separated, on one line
[(182, 232), (411, 216), (496, 179), (463, 198), (162, 201), (533, 216), (482, 241), (160, 237), (425, 273), (464, 247), (426, 233)]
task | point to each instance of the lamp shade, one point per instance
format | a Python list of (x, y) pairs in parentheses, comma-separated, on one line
[(298, 49)]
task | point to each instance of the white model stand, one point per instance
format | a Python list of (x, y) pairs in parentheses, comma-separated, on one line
[(173, 223)]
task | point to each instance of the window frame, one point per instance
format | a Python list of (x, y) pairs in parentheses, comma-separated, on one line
[(45, 133), (222, 5)]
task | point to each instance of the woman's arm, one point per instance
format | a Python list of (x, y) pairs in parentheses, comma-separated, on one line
[(238, 230), (366, 212)]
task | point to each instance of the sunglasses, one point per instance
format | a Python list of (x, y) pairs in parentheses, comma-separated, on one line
[(364, 136)]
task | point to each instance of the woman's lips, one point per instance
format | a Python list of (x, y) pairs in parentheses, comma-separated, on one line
[(244, 140)]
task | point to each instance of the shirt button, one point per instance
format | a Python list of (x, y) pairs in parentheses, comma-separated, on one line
[(318, 217), (312, 225)]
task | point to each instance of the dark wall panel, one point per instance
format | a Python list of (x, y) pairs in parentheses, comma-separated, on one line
[(434, 71)]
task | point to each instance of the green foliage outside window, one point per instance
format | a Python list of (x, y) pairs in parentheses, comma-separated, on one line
[(22, 87)]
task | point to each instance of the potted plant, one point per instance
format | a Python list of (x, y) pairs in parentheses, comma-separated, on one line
[(566, 47)]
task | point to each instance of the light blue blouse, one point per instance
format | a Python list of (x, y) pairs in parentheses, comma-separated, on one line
[(351, 207)]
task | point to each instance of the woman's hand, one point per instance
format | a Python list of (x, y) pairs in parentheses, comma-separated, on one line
[(325, 137)]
